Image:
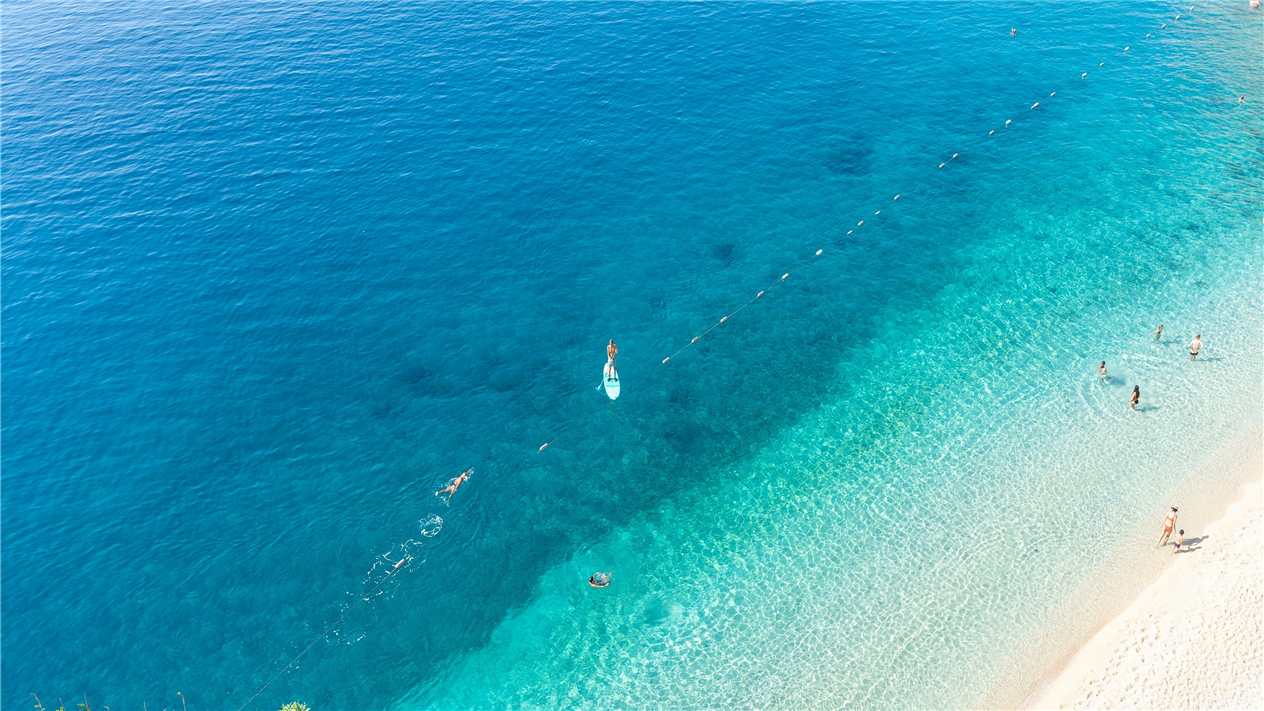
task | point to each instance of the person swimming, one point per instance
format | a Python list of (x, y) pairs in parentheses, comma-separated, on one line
[(612, 352), (1013, 31), (1136, 396), (599, 580), (455, 484), (1158, 332), (1168, 524)]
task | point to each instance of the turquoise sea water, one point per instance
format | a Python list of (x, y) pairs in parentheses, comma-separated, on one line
[(271, 276)]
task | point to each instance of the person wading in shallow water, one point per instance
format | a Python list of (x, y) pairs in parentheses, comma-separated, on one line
[(1195, 346), (1158, 332), (1136, 396), (1101, 370), (1168, 523)]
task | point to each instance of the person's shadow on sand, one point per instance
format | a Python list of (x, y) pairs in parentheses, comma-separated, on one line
[(1192, 545)]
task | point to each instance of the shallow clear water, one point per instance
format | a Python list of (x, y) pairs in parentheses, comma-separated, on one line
[(271, 277)]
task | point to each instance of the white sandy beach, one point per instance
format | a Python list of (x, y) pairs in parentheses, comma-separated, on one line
[(1195, 638)]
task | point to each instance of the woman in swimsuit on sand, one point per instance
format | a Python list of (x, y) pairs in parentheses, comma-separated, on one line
[(1168, 523)]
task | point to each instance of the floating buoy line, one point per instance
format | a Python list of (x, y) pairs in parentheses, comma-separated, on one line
[(694, 340)]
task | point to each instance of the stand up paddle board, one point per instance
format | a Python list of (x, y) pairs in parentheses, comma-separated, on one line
[(611, 380)]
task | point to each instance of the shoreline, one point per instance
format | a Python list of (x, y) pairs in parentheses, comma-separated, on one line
[(1192, 638)]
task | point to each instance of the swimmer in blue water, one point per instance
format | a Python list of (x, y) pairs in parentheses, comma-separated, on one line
[(454, 485)]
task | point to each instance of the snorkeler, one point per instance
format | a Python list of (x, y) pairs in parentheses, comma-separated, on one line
[(599, 580), (455, 484)]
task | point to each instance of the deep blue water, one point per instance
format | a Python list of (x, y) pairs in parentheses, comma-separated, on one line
[(272, 275)]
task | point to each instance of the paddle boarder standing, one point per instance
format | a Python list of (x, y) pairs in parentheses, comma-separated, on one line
[(611, 352)]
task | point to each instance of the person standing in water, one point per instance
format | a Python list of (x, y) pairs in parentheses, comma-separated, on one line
[(1136, 396), (612, 351), (1180, 539), (1168, 524), (1195, 346), (1158, 333), (1101, 370)]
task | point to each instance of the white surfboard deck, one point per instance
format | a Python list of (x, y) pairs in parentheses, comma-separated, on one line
[(611, 383)]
